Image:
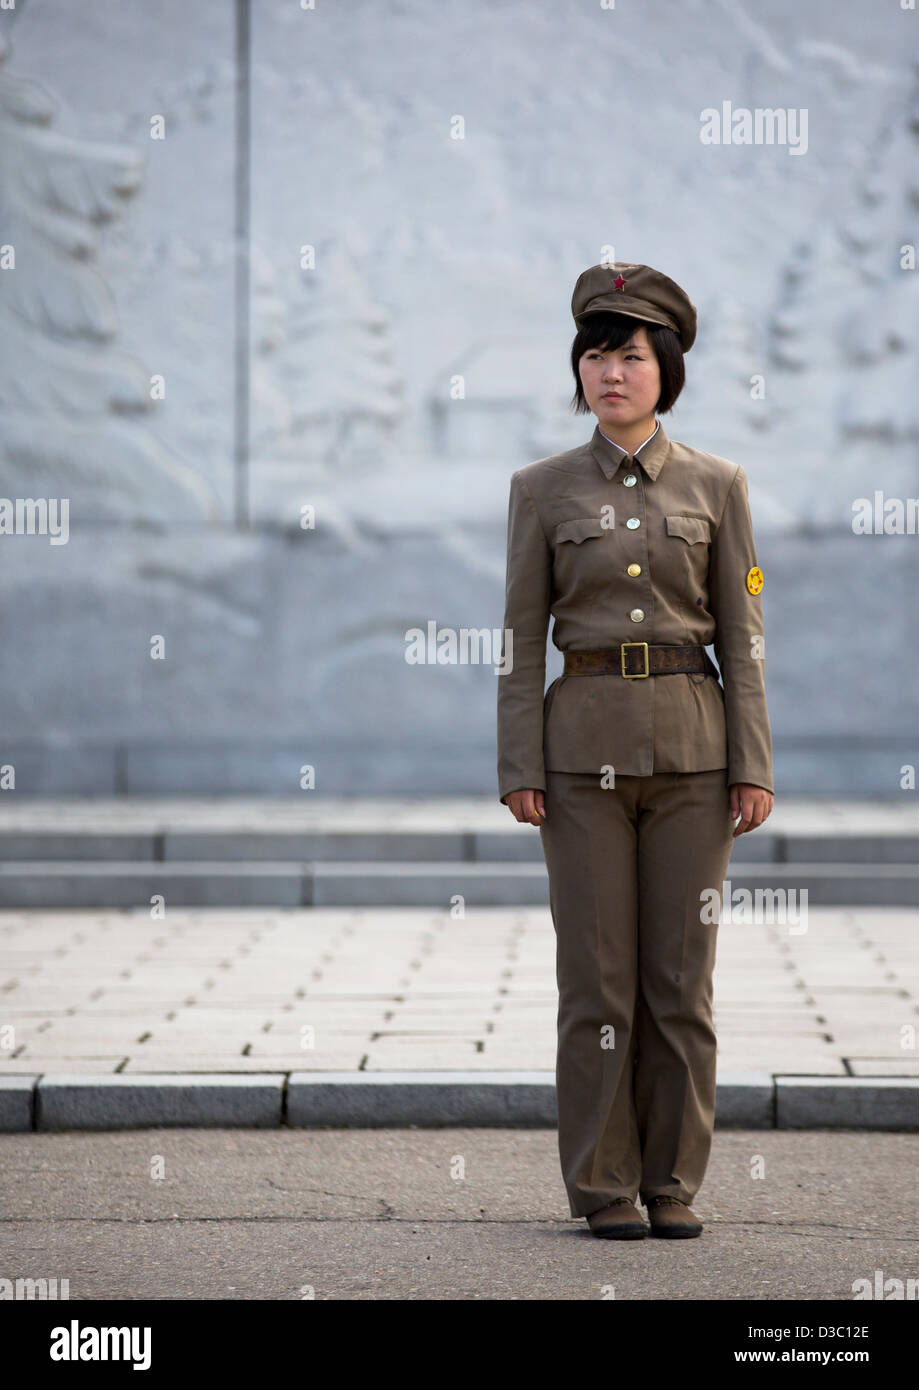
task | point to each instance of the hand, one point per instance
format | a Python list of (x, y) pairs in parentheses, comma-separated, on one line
[(528, 805), (753, 804)]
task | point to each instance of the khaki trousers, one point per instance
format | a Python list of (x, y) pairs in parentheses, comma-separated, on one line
[(635, 1071)]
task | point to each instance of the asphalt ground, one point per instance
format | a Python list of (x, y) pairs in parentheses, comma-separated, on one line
[(465, 1214)]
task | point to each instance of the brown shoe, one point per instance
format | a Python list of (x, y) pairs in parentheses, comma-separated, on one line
[(672, 1218), (621, 1220)]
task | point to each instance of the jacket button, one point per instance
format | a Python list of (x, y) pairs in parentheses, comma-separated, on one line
[(632, 522), (633, 570), (637, 614), (630, 480)]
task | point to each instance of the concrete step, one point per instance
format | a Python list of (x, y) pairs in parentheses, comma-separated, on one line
[(513, 843), (372, 883)]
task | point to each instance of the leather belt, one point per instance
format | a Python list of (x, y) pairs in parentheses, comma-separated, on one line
[(634, 660)]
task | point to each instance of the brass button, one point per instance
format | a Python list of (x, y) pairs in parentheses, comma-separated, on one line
[(630, 480), (637, 614), (632, 522), (633, 570)]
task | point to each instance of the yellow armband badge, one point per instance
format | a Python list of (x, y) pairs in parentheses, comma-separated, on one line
[(755, 579)]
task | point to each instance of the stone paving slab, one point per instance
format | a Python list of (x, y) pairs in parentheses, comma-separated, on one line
[(882, 1066)]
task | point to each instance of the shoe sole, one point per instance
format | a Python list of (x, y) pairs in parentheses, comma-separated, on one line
[(676, 1232), (622, 1233)]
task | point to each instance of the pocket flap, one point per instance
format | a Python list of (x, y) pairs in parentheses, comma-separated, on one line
[(580, 528), (691, 528)]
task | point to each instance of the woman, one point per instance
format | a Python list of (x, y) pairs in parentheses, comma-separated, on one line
[(635, 763)]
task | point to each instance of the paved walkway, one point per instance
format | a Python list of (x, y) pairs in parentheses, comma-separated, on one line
[(414, 989)]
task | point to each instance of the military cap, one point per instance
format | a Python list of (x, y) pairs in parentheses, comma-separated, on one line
[(639, 291)]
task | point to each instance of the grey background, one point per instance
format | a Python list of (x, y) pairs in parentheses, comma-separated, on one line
[(331, 387)]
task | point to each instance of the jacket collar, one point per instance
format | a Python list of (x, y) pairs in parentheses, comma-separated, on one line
[(652, 455)]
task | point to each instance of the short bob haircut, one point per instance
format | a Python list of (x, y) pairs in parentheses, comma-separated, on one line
[(611, 331)]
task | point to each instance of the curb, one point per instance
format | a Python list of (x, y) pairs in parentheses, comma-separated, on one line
[(506, 1099)]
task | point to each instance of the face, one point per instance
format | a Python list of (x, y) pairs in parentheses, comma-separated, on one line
[(622, 386)]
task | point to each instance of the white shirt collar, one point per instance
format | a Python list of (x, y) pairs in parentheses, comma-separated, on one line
[(641, 445)]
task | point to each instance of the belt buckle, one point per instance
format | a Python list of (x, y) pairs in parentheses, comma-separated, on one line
[(634, 675)]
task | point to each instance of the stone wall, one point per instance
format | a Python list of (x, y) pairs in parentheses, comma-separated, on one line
[(289, 301)]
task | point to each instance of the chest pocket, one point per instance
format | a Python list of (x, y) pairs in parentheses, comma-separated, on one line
[(691, 528), (580, 528)]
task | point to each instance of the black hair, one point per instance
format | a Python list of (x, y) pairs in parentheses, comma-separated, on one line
[(611, 331)]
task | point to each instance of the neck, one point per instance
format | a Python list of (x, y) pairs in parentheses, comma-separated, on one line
[(629, 437)]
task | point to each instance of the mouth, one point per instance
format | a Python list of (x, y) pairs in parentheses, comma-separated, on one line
[(613, 396)]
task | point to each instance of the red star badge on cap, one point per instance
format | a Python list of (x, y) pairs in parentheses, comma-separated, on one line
[(619, 283)]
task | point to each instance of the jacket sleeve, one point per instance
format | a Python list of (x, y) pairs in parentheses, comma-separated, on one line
[(522, 678), (739, 641)]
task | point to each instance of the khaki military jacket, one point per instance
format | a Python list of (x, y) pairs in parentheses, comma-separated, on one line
[(658, 549)]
